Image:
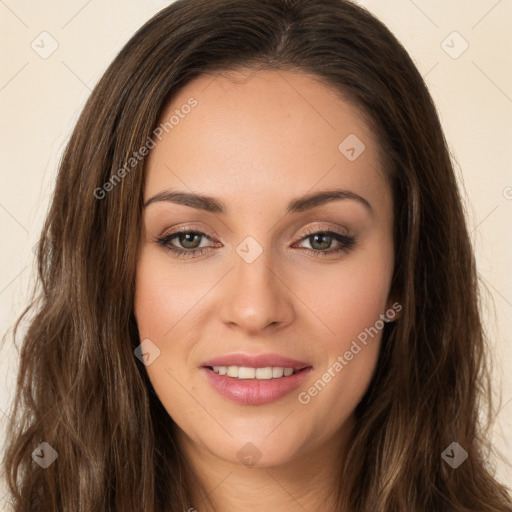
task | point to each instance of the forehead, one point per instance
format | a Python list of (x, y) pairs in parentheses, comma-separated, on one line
[(255, 135)]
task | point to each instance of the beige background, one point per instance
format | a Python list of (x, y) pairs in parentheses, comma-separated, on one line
[(41, 98)]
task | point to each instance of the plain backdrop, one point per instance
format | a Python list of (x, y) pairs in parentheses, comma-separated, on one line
[(54, 52)]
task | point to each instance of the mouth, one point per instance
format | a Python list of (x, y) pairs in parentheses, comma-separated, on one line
[(243, 363), (256, 373), (261, 385)]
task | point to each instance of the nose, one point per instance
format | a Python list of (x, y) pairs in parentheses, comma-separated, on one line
[(256, 296)]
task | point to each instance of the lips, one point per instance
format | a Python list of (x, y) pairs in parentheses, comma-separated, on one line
[(255, 392), (256, 361)]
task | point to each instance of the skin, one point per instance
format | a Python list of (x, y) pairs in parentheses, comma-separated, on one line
[(255, 141)]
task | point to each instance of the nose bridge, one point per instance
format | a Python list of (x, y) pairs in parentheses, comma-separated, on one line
[(257, 297)]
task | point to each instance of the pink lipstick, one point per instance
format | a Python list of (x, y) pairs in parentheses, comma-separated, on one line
[(255, 379)]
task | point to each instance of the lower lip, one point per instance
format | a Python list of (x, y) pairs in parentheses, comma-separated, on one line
[(254, 391)]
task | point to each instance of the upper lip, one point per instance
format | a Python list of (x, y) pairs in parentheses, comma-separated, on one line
[(256, 361)]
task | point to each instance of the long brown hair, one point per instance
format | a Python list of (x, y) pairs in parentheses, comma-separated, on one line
[(80, 388)]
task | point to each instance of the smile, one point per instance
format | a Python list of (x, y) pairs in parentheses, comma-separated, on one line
[(255, 386), (245, 372)]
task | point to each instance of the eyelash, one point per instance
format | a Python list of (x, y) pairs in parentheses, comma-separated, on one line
[(346, 242)]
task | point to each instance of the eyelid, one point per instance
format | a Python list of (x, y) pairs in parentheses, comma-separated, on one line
[(307, 232), (188, 229), (323, 228), (346, 241)]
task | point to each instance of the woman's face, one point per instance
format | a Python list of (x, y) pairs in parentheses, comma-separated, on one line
[(256, 280)]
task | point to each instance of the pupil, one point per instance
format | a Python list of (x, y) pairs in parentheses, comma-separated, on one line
[(321, 236), (187, 240)]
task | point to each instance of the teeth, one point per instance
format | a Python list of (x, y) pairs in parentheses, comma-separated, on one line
[(245, 372)]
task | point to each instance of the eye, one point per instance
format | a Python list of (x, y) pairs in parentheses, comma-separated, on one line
[(320, 240), (190, 242)]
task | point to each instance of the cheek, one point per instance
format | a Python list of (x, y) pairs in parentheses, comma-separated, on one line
[(164, 295), (349, 297), (351, 303), (163, 302)]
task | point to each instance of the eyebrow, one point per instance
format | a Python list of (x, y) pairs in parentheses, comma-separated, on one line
[(299, 204)]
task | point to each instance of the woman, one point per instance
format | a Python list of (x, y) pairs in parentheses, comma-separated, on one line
[(257, 288)]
